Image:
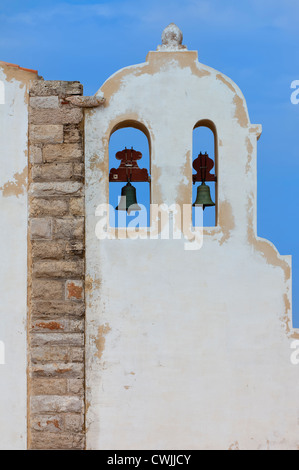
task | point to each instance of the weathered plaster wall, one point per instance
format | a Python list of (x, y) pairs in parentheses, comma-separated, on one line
[(186, 349), (13, 254)]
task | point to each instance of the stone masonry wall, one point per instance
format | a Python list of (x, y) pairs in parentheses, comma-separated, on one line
[(56, 268)]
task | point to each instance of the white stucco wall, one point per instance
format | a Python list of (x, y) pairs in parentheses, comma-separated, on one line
[(186, 349), (13, 255)]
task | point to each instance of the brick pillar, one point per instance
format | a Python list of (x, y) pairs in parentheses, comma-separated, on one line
[(56, 268)]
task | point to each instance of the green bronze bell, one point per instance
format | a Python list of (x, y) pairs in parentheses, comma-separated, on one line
[(128, 200), (203, 196)]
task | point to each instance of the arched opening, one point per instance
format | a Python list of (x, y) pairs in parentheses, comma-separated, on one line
[(205, 173), (129, 165)]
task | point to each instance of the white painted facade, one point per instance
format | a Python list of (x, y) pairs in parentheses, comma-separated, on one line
[(13, 254), (186, 349)]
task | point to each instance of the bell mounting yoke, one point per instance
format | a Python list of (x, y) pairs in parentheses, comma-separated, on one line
[(128, 169), (203, 164)]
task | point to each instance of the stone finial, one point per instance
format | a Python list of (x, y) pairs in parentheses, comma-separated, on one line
[(86, 101), (172, 38)]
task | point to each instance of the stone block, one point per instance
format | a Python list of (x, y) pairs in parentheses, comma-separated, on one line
[(61, 370), (44, 102), (77, 206), (48, 207), (64, 115), (68, 228), (56, 404), (52, 172), (47, 289), (48, 386), (62, 153), (58, 268), (40, 228), (35, 154), (56, 189), (45, 134)]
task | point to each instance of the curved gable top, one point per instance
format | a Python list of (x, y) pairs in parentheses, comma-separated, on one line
[(176, 74)]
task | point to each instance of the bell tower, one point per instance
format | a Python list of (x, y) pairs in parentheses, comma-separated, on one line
[(187, 344)]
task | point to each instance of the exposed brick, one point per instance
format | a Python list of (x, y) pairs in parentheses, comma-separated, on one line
[(72, 134), (57, 441), (58, 269), (53, 309), (48, 249), (56, 88), (75, 247), (65, 115), (47, 289), (58, 325), (78, 171), (48, 207), (46, 354), (56, 404), (51, 423), (52, 172), (76, 354), (68, 228), (74, 422), (60, 339), (35, 154), (44, 102), (74, 290), (45, 134), (49, 386), (77, 206), (56, 189), (56, 249), (75, 386), (56, 199), (50, 353), (62, 153), (40, 228), (65, 370)]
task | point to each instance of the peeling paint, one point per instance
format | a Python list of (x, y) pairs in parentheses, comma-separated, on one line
[(234, 446), (94, 163), (226, 221), (265, 247), (100, 341), (155, 62), (286, 320), (88, 284), (240, 111), (91, 284), (273, 258), (16, 187), (220, 77), (249, 147), (22, 75)]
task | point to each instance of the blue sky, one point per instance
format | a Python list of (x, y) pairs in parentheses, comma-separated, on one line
[(255, 42)]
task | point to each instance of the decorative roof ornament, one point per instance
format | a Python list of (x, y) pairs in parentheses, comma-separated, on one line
[(86, 101), (172, 38)]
